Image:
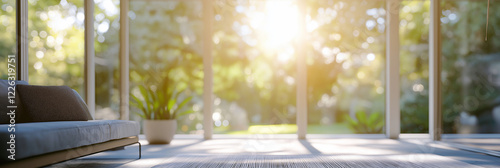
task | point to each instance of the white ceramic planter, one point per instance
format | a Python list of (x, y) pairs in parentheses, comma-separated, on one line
[(159, 131)]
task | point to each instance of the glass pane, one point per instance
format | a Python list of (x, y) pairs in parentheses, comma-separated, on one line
[(471, 73), (107, 46), (414, 66), (7, 35), (56, 43), (165, 47), (254, 67), (346, 59)]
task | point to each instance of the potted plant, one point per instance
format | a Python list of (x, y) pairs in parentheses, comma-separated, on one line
[(160, 106)]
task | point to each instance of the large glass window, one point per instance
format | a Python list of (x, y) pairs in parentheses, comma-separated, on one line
[(414, 65), (471, 73), (346, 59), (107, 45), (56, 43), (165, 49), (8, 34), (254, 62), (255, 66)]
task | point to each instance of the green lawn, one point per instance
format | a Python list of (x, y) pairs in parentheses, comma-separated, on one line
[(287, 129)]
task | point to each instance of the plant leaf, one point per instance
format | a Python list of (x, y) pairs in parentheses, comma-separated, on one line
[(184, 113), (138, 103), (146, 96), (361, 116), (373, 119), (181, 106)]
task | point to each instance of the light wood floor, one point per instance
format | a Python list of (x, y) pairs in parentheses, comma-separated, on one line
[(375, 146), (489, 144)]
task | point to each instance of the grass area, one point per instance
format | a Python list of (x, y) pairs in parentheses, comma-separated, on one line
[(329, 129), (287, 129)]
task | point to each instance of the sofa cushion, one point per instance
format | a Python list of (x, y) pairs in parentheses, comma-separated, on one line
[(43, 137), (4, 102), (83, 104), (51, 103), (121, 129)]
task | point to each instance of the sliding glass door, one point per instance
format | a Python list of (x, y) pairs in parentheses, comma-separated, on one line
[(254, 44), (471, 74), (56, 43), (345, 66), (255, 53), (7, 35), (165, 49), (414, 20), (106, 44)]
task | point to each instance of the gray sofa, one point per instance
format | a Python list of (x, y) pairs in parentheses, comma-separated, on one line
[(41, 143)]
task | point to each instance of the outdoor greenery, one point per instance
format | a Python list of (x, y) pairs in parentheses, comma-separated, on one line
[(106, 44), (346, 59), (372, 124), (56, 48), (177, 61), (470, 65), (254, 61)]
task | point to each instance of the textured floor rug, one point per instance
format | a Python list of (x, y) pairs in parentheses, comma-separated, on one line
[(312, 161)]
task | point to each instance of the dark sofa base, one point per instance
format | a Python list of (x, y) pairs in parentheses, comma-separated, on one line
[(59, 156)]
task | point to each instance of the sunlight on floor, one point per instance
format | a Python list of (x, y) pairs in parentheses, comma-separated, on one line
[(186, 148)]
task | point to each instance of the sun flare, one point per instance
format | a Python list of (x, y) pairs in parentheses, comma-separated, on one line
[(278, 23)]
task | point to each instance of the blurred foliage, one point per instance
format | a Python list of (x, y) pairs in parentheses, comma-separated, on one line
[(346, 56), (165, 45), (466, 87), (8, 34), (414, 66), (248, 68), (56, 43), (106, 45), (363, 124)]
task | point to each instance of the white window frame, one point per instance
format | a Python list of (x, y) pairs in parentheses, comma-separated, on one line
[(435, 115), (392, 84)]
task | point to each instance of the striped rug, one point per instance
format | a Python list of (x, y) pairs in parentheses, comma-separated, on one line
[(312, 161)]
